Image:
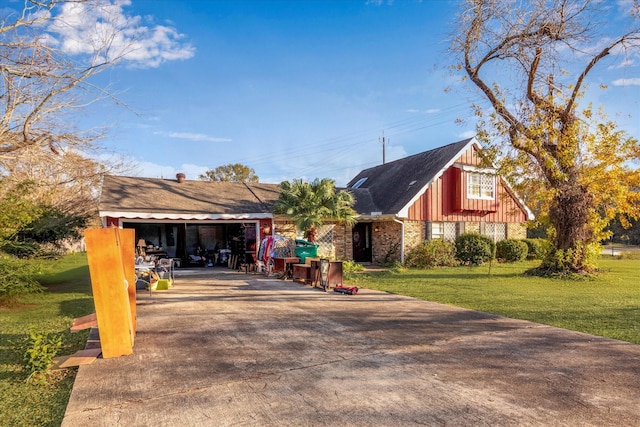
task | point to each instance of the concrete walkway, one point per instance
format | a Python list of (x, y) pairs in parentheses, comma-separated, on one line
[(225, 349)]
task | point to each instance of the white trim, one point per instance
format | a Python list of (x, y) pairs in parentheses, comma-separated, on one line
[(470, 185), (184, 216), (471, 168), (404, 212), (367, 218)]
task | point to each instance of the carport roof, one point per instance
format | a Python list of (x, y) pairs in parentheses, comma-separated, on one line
[(135, 197)]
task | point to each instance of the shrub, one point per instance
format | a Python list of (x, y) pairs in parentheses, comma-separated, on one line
[(20, 249), (53, 225), (537, 248), (391, 257), (511, 250), (17, 279), (350, 266), (573, 263), (396, 267), (473, 248), (39, 351), (432, 253)]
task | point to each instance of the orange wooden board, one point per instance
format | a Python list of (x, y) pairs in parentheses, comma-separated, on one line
[(128, 250), (84, 322), (82, 357), (110, 289)]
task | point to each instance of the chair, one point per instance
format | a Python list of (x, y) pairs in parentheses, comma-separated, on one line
[(146, 276), (165, 265)]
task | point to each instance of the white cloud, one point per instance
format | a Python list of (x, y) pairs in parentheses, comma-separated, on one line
[(432, 110), (194, 137), (103, 30), (627, 82)]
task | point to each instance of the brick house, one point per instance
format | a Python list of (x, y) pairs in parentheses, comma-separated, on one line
[(435, 194)]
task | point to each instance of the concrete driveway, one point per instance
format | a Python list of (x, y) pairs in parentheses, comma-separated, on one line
[(222, 348)]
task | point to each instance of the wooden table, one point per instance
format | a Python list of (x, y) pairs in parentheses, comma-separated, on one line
[(303, 272), (335, 273), (285, 265)]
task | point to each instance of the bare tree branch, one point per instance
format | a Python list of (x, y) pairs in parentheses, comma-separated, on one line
[(542, 41)]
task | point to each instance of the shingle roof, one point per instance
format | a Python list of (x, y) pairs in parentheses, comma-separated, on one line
[(167, 196), (391, 186)]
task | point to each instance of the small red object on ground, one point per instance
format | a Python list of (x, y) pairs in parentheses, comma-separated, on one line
[(350, 290)]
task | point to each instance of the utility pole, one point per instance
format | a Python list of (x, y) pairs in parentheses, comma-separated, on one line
[(384, 143)]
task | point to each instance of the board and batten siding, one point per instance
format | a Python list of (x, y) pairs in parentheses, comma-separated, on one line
[(445, 200)]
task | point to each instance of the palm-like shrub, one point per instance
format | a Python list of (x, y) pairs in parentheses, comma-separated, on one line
[(310, 205)]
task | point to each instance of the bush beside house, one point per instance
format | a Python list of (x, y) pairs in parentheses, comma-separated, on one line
[(432, 253), (511, 250), (474, 249)]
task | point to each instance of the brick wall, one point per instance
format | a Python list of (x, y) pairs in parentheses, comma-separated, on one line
[(472, 227), (340, 249), (284, 228), (516, 231), (385, 242), (414, 233), (343, 242)]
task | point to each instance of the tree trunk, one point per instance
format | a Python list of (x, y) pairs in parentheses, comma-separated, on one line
[(570, 217)]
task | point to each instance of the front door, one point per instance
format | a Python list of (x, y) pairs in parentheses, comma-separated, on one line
[(362, 242)]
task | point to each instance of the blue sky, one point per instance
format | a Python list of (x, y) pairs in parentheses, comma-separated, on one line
[(298, 89)]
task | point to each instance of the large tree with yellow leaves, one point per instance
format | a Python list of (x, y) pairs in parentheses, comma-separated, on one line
[(531, 61)]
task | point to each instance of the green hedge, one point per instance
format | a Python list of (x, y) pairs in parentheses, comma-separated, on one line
[(432, 253), (511, 250), (474, 249)]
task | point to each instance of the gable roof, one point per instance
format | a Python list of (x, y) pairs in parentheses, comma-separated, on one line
[(391, 188), (151, 198)]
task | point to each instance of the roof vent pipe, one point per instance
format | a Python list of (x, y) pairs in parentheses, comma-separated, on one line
[(180, 177)]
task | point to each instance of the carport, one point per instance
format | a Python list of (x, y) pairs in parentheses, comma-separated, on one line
[(178, 216)]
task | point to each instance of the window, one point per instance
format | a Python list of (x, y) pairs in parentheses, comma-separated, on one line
[(495, 230), (359, 183), (437, 230), (443, 231), (450, 231), (480, 186)]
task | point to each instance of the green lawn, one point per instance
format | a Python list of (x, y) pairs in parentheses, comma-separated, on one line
[(68, 296), (608, 305)]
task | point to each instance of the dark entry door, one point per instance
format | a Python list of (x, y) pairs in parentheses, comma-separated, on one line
[(362, 242)]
